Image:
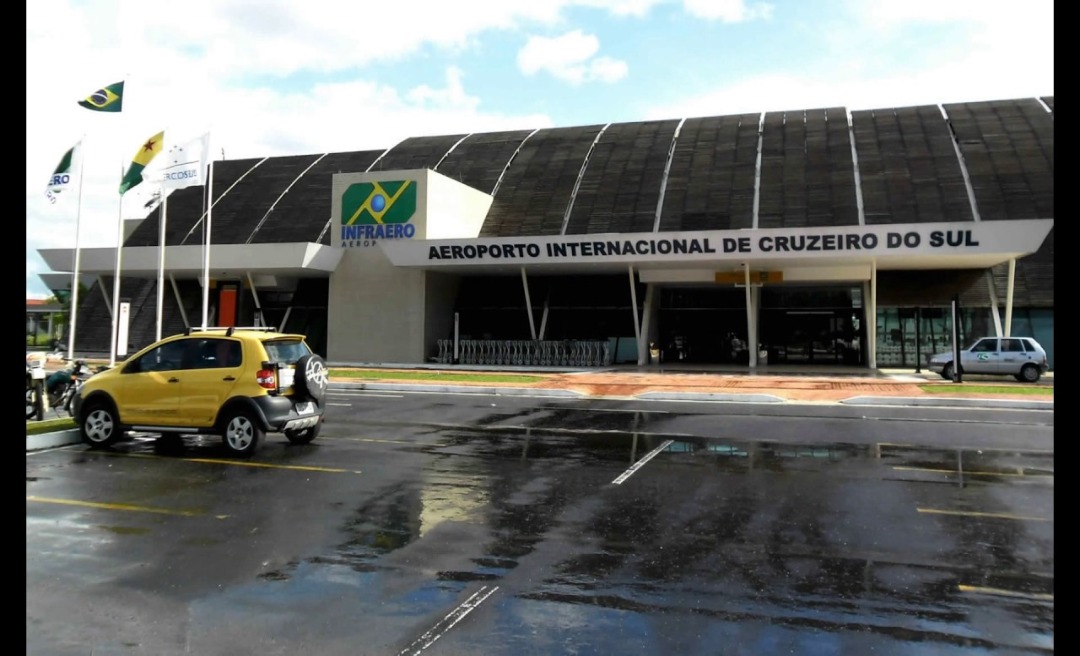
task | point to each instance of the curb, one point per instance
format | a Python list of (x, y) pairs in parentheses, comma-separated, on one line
[(52, 440), (461, 389), (997, 404), (711, 396)]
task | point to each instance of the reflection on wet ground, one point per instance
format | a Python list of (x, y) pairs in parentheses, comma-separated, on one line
[(872, 544), (663, 543)]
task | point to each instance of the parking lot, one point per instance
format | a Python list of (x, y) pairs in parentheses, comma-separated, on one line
[(454, 524)]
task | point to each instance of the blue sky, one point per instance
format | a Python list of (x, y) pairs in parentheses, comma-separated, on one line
[(268, 78)]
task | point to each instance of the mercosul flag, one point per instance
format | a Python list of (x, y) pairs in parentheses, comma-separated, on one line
[(183, 165), (142, 158), (108, 99), (64, 176)]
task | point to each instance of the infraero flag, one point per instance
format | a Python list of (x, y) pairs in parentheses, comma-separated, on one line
[(64, 177)]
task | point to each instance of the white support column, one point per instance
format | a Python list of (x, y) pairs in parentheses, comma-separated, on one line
[(751, 336), (871, 317), (646, 324), (179, 302), (994, 314), (755, 339), (105, 294), (544, 316), (259, 319), (1009, 298), (637, 324), (528, 303)]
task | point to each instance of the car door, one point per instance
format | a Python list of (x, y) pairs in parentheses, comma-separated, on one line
[(983, 357), (214, 367), (1013, 356), (150, 393)]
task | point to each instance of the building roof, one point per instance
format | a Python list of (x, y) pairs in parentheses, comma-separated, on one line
[(807, 168)]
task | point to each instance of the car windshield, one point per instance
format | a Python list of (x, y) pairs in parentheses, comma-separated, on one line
[(286, 350)]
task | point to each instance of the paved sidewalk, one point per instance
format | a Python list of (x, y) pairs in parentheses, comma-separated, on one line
[(764, 385)]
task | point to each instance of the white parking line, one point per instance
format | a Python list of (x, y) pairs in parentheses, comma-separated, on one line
[(448, 622), (366, 393), (626, 410), (637, 465)]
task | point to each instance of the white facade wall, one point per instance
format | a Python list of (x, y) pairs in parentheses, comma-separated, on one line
[(379, 313)]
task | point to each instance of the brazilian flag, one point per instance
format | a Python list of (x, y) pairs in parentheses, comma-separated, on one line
[(109, 99)]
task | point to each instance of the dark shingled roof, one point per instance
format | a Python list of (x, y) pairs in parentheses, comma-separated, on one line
[(535, 191), (711, 179), (620, 186)]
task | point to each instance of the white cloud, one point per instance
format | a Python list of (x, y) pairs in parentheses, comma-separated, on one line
[(636, 8), (884, 59), (569, 57), (728, 11), (276, 77), (215, 67)]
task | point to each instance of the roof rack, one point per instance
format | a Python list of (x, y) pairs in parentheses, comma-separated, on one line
[(230, 329)]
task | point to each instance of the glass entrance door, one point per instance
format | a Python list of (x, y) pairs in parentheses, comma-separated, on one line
[(812, 325), (811, 337)]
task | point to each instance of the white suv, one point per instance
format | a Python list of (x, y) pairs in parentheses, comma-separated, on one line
[(1020, 357)]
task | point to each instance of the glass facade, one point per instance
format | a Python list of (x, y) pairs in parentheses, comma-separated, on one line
[(907, 337), (798, 324)]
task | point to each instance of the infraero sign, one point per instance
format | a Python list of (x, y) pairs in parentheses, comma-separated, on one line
[(373, 211)]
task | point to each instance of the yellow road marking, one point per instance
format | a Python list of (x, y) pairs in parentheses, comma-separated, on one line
[(116, 506), (1005, 593), (969, 473), (239, 463), (971, 513)]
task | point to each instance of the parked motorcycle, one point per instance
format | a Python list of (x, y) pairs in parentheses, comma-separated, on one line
[(35, 383), (60, 387), (63, 385)]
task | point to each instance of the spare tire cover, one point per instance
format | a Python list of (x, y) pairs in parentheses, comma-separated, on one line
[(312, 377)]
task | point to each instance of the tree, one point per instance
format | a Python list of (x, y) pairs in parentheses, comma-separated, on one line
[(62, 297)]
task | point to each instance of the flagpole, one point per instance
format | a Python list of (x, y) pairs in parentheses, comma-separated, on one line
[(206, 247), (161, 263), (116, 275), (74, 299)]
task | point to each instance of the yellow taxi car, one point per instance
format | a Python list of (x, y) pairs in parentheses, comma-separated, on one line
[(239, 383)]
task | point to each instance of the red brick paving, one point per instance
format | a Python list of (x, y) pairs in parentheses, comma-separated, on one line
[(628, 384)]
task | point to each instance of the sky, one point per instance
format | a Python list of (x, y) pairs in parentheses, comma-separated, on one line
[(274, 77)]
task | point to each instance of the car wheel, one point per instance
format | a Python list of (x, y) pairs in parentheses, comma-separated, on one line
[(99, 426), (304, 435), (242, 434), (31, 403), (1029, 373), (947, 371), (312, 377)]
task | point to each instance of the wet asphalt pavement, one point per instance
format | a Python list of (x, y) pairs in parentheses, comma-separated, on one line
[(469, 524)]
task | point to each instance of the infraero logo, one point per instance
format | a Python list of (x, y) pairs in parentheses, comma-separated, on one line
[(377, 210)]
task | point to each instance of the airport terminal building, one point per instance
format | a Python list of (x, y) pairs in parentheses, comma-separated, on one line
[(814, 236)]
